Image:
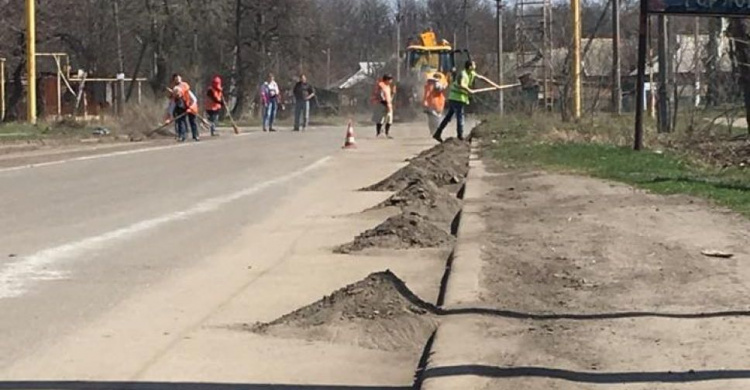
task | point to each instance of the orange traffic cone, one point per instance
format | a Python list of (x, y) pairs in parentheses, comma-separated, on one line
[(350, 143)]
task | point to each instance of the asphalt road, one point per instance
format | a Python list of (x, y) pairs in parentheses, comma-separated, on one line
[(79, 235)]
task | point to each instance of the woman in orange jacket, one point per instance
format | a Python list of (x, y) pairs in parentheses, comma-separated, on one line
[(434, 100), (214, 103)]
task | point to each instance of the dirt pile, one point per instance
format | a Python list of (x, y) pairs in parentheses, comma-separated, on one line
[(451, 145), (377, 312), (403, 231), (444, 164), (423, 197)]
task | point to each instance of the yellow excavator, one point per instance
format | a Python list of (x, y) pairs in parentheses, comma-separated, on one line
[(426, 57)]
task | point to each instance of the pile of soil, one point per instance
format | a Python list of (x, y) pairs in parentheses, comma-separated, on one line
[(444, 164), (451, 145), (404, 231), (377, 312), (423, 197)]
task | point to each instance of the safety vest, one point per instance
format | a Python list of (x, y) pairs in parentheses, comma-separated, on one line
[(192, 103), (465, 79), (434, 96), (215, 96), (181, 95), (185, 98), (382, 93)]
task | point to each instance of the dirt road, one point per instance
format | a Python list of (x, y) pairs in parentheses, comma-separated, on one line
[(587, 284)]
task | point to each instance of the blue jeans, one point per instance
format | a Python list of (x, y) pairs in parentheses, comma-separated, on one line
[(193, 126), (301, 114), (269, 113), (181, 124), (213, 118), (456, 108)]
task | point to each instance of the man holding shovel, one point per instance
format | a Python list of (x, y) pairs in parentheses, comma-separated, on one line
[(458, 98)]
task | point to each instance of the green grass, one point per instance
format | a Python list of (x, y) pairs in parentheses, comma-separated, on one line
[(660, 172), (17, 131), (20, 131)]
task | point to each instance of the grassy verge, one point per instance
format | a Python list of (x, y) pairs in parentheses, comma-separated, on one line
[(539, 143), (17, 131)]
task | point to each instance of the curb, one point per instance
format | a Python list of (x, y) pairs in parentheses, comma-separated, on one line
[(454, 348), (463, 284), (462, 288)]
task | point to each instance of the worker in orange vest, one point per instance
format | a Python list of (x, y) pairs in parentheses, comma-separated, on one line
[(185, 103), (214, 103), (382, 100), (434, 100)]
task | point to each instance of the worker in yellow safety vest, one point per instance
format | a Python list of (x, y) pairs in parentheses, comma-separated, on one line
[(458, 99)]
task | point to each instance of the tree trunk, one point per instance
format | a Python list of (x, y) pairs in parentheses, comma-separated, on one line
[(239, 71), (17, 92), (738, 31), (712, 62)]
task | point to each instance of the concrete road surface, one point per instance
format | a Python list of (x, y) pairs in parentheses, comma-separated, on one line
[(140, 265), (77, 236)]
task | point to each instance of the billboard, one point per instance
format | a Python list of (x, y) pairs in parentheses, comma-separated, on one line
[(700, 7)]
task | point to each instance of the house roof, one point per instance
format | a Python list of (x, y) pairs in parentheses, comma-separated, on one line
[(596, 63), (365, 73), (598, 60), (685, 56)]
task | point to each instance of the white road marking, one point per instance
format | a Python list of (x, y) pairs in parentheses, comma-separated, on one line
[(107, 155), (16, 277)]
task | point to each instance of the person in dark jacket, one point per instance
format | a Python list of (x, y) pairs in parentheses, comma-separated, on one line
[(303, 93)]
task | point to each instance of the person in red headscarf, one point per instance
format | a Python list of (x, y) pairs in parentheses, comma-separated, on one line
[(214, 103)]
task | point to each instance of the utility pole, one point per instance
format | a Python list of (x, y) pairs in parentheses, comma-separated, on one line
[(640, 96), (500, 67), (465, 8), (120, 95), (31, 61), (616, 77), (575, 7), (398, 41), (2, 89), (664, 61), (328, 68), (466, 36)]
